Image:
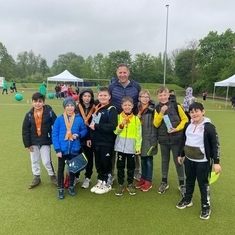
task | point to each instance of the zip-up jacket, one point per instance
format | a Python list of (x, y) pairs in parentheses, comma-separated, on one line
[(130, 137), (103, 135), (59, 132), (210, 140), (117, 92), (29, 129)]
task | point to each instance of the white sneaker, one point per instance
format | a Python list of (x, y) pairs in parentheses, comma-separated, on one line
[(86, 183), (104, 188), (97, 186), (76, 181)]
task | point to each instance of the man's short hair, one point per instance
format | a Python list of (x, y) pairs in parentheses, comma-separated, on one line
[(123, 65)]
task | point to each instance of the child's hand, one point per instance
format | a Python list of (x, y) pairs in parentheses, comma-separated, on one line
[(137, 152), (163, 109), (172, 130), (30, 149), (217, 168), (180, 160), (92, 125), (59, 155), (88, 143), (75, 136)]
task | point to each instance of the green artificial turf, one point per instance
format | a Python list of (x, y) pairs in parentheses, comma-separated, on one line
[(38, 211)]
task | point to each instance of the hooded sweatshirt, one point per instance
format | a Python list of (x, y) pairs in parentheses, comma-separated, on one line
[(202, 136), (188, 99)]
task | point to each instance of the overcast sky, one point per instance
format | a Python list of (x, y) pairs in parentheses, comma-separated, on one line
[(88, 27)]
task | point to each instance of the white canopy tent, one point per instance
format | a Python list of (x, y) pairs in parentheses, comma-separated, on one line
[(65, 76), (229, 82)]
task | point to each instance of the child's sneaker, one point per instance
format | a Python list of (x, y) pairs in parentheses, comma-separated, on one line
[(205, 213), (182, 190), (183, 204), (137, 176), (104, 188), (54, 180), (131, 189), (163, 187), (61, 193), (140, 183), (71, 191), (36, 181), (119, 190), (147, 185), (76, 181), (97, 186), (86, 183)]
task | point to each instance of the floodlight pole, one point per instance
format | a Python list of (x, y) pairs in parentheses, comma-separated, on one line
[(165, 53)]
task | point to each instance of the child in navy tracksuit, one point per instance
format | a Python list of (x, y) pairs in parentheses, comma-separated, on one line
[(67, 131), (102, 128), (200, 147)]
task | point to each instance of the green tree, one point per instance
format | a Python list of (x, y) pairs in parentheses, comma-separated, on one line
[(215, 57), (63, 63), (114, 59), (7, 64)]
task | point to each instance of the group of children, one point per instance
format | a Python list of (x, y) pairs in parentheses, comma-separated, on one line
[(94, 127)]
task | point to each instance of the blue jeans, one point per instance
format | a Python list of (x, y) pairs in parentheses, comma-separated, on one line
[(147, 168)]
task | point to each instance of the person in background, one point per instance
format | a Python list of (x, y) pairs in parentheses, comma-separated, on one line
[(14, 87), (204, 95), (102, 126), (77, 90), (36, 135), (127, 145), (68, 129), (232, 99), (70, 91), (146, 109), (188, 100), (4, 87), (64, 90), (198, 150), (57, 91), (172, 96), (169, 137), (43, 89), (119, 88)]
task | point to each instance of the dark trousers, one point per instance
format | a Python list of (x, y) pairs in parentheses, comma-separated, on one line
[(90, 160), (103, 161), (199, 171), (60, 173), (122, 158)]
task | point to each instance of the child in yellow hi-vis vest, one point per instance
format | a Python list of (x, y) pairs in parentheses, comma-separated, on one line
[(127, 145)]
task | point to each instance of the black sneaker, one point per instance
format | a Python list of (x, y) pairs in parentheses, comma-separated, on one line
[(36, 181), (183, 204), (205, 213)]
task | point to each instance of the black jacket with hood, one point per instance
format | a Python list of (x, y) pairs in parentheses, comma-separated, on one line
[(29, 130)]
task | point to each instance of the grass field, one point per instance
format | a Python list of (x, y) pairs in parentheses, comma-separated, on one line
[(38, 211)]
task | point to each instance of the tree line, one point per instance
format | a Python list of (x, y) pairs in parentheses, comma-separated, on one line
[(199, 64)]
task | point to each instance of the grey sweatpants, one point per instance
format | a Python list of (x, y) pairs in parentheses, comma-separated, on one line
[(165, 152)]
